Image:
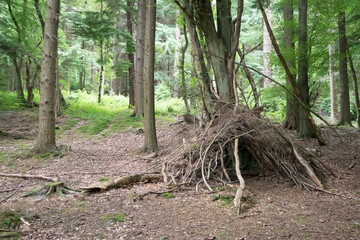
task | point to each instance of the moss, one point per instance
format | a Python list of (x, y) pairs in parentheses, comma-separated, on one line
[(168, 195), (113, 217), (103, 179), (227, 200)]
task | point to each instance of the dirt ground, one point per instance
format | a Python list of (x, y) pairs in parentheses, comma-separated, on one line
[(278, 209)]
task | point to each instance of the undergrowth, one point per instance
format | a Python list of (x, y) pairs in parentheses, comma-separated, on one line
[(112, 114)]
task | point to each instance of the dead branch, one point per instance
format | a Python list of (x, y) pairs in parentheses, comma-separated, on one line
[(6, 198), (25, 176)]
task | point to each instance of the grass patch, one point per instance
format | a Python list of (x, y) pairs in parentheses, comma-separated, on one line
[(113, 218), (70, 123), (227, 200), (168, 195)]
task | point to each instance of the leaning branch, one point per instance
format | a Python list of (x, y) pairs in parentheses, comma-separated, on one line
[(299, 100)]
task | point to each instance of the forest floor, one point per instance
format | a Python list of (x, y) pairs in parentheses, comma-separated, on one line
[(277, 210)]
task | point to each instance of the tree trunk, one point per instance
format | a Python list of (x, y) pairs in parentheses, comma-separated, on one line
[(139, 72), (46, 136), (101, 74), (131, 54), (82, 65), (303, 66), (267, 51), (334, 117), (176, 72), (344, 81), (199, 56), (29, 85), (218, 43), (356, 89), (292, 107), (92, 73), (150, 141)]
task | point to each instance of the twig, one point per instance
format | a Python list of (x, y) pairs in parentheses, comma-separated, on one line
[(6, 198), (29, 176), (25, 222)]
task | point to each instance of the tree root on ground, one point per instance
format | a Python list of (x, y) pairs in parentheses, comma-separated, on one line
[(55, 188)]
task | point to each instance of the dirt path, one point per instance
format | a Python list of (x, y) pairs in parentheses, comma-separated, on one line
[(278, 209)]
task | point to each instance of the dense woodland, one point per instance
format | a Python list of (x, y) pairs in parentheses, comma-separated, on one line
[(254, 80)]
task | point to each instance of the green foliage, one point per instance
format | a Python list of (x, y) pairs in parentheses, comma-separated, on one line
[(162, 90), (274, 99), (9, 220), (9, 101), (171, 107)]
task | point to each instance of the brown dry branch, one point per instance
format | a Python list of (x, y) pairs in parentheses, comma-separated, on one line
[(26, 176)]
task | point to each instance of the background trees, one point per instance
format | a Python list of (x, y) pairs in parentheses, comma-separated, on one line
[(97, 41)]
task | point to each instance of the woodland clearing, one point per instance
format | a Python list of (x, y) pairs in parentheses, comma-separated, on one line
[(274, 208)]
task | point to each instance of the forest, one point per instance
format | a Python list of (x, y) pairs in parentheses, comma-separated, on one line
[(179, 119)]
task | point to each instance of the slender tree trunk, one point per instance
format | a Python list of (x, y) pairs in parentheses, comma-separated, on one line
[(82, 66), (130, 54), (101, 74), (46, 136), (292, 107), (303, 66), (150, 141), (356, 89), (139, 72), (92, 73), (29, 86), (334, 117), (182, 70), (344, 80), (267, 50), (176, 72)]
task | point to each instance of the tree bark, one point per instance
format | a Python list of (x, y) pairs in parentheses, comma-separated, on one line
[(150, 141), (345, 118), (46, 136), (139, 72), (334, 117), (303, 67), (292, 107)]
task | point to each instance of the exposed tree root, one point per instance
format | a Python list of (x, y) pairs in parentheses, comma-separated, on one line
[(121, 182), (55, 188)]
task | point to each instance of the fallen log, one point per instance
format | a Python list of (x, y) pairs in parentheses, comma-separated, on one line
[(121, 182)]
